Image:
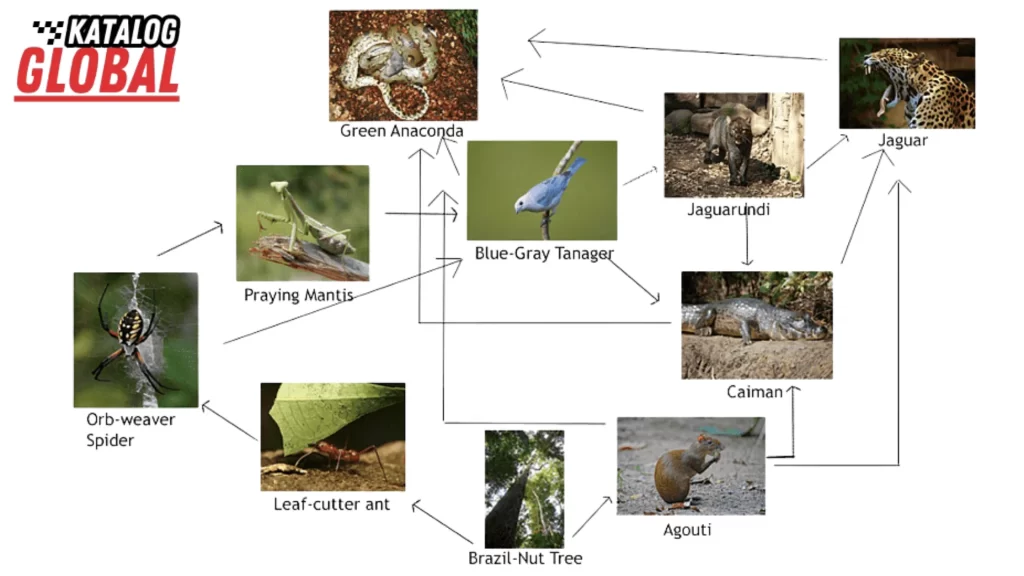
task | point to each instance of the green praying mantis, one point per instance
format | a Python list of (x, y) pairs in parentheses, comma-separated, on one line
[(330, 240)]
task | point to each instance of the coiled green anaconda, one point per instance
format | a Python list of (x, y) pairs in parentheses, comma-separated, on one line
[(407, 54)]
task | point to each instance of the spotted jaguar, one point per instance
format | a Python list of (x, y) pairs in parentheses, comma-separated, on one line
[(933, 98)]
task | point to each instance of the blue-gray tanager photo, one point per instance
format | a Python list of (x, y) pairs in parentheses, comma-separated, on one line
[(545, 196)]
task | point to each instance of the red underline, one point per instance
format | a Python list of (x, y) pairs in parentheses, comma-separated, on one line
[(94, 98)]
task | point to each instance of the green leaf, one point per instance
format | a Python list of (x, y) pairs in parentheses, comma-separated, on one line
[(308, 413)]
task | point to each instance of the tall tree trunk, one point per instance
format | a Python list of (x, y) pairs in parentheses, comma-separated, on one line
[(502, 523), (787, 118)]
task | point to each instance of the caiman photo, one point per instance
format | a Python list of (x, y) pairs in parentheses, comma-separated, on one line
[(783, 332)]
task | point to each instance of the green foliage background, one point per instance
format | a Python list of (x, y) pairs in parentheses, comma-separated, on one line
[(338, 196), (799, 291), (465, 24), (859, 93), (501, 172), (177, 297)]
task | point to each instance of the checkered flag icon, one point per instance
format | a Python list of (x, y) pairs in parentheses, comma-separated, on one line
[(51, 28)]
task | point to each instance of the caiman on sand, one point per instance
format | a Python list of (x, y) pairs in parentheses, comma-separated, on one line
[(750, 319)]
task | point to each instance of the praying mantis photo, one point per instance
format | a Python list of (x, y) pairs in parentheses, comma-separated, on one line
[(330, 240), (303, 223)]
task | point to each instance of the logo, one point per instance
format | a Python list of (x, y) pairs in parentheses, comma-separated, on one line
[(108, 58)]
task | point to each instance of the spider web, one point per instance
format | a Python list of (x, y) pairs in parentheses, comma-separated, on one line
[(156, 349)]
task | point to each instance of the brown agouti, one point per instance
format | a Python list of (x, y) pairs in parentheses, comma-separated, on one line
[(675, 468)]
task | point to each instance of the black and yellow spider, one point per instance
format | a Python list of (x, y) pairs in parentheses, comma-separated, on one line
[(130, 336)]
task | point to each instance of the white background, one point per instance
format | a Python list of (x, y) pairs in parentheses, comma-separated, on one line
[(105, 187)]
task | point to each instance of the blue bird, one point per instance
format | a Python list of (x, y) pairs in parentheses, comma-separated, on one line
[(545, 196)]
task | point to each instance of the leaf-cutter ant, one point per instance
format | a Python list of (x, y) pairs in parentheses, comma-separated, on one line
[(340, 455)]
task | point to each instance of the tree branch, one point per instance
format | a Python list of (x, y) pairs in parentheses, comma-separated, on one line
[(311, 259), (546, 221), (540, 509)]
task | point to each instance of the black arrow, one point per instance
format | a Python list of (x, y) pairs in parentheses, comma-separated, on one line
[(841, 140), (439, 194), (453, 214), (607, 500), (444, 208), (533, 43), (792, 423), (457, 266), (205, 408), (218, 225), (341, 302), (656, 298), (552, 322), (505, 80), (882, 155), (419, 242), (897, 185), (415, 508), (445, 141), (531, 424), (653, 169), (746, 225), (420, 151), (444, 290)]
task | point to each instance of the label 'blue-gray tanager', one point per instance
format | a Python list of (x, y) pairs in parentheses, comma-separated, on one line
[(545, 196)]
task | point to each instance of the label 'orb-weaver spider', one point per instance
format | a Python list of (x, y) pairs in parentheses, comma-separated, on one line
[(130, 336)]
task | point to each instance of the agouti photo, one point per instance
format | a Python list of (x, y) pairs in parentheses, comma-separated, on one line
[(709, 466)]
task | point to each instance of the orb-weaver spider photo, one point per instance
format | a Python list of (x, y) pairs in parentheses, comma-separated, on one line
[(130, 336)]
